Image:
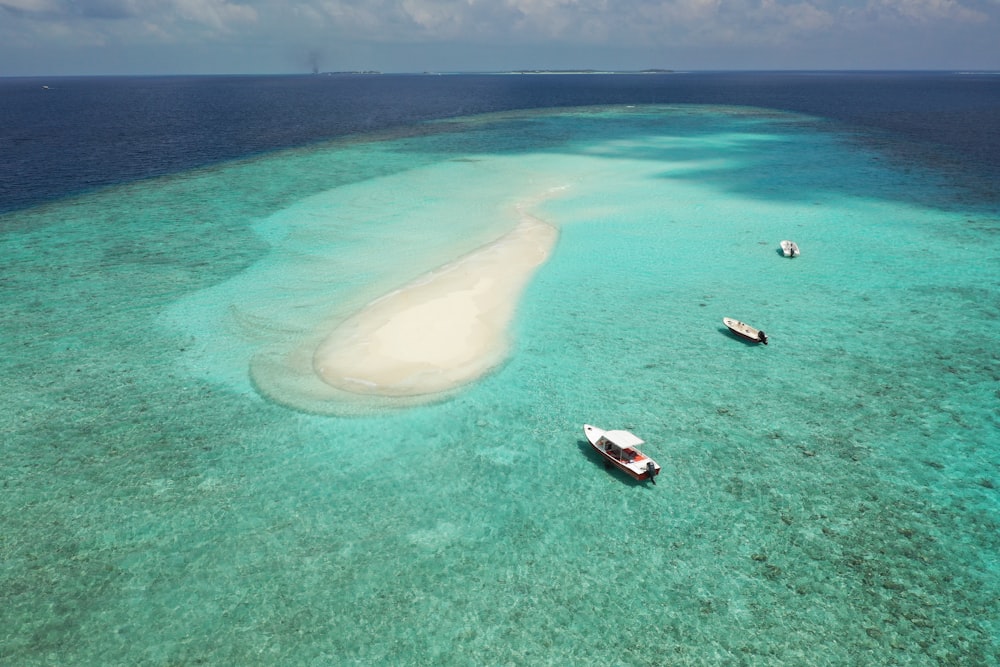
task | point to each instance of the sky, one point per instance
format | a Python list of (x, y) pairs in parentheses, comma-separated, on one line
[(93, 37)]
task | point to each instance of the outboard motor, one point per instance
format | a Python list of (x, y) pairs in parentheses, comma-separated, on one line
[(762, 337), (651, 469)]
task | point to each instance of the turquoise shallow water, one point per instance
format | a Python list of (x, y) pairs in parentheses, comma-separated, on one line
[(170, 496)]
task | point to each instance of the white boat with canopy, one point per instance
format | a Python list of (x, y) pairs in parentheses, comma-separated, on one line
[(621, 449)]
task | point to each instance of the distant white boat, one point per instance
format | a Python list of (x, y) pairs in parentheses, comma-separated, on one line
[(745, 330), (620, 449), (789, 249)]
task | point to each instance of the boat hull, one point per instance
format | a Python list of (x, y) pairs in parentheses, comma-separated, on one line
[(745, 331)]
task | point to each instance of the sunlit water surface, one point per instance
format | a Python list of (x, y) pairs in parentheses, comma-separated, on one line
[(175, 494)]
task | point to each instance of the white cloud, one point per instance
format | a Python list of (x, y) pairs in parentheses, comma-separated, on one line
[(513, 31), (628, 23), (108, 15), (30, 6), (624, 22), (924, 11), (217, 14)]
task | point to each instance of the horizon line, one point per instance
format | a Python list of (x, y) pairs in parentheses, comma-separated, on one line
[(518, 71)]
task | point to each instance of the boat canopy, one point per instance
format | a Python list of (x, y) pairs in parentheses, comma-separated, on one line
[(623, 438)]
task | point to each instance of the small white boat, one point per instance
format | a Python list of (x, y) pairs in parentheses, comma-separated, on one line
[(745, 330), (620, 449), (789, 249)]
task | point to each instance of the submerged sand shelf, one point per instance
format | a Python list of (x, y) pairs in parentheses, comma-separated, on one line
[(444, 329), (420, 342)]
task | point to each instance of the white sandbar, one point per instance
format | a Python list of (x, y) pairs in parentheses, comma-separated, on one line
[(441, 331)]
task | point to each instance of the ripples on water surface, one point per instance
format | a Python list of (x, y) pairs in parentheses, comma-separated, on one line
[(828, 499)]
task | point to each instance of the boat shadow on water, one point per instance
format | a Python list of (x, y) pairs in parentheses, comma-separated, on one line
[(588, 452)]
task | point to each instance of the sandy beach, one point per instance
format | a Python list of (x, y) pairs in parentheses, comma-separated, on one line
[(443, 330)]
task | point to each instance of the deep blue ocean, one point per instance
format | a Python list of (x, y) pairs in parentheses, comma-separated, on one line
[(61, 136), (181, 485)]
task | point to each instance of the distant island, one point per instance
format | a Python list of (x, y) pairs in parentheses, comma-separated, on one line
[(588, 71), (519, 71)]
